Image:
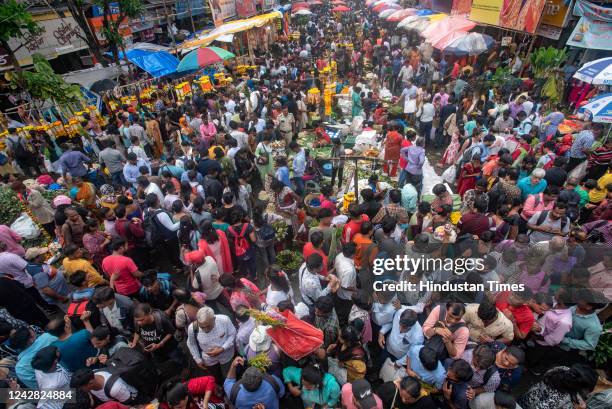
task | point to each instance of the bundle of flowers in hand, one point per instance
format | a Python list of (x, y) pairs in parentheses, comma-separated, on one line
[(261, 361), (266, 318)]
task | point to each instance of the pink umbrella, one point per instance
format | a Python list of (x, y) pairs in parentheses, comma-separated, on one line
[(338, 3), (442, 42), (399, 15), (385, 6), (300, 5), (443, 27), (315, 3), (341, 9)]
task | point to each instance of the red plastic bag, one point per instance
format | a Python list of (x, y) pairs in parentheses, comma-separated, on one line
[(297, 338)]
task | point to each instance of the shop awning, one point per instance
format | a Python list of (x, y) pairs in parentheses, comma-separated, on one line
[(231, 28)]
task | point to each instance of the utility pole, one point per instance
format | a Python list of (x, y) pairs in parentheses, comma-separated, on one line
[(169, 28), (193, 30)]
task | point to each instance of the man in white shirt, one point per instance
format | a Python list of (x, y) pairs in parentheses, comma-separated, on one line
[(403, 331), (230, 105), (344, 266), (117, 310), (310, 280), (149, 187), (242, 139), (50, 374), (170, 197), (210, 340), (428, 111), (104, 386)]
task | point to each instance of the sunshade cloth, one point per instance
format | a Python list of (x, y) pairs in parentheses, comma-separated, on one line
[(599, 109), (399, 15), (445, 26), (203, 57), (470, 44), (341, 9), (231, 28), (156, 63), (422, 22), (597, 72)]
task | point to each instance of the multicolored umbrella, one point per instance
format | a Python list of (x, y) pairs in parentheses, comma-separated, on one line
[(470, 44), (399, 15), (341, 9), (203, 57), (598, 72)]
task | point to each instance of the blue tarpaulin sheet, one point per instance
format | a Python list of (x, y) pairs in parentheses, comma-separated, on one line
[(158, 63)]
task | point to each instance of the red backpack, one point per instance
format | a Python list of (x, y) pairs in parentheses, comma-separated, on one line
[(241, 244)]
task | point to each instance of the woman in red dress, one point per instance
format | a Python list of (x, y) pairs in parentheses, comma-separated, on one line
[(393, 144), (468, 175)]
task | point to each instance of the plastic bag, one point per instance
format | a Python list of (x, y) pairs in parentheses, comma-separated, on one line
[(449, 175), (296, 338), (25, 227), (389, 372), (579, 171)]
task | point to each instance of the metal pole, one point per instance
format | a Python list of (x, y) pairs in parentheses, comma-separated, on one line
[(193, 30), (168, 26)]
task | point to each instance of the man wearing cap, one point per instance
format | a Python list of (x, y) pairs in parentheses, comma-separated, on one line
[(261, 343), (254, 390), (359, 395), (49, 282)]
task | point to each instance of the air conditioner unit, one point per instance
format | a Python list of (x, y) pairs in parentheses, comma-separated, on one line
[(87, 60)]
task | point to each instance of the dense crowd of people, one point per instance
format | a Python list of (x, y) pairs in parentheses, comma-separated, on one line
[(168, 244)]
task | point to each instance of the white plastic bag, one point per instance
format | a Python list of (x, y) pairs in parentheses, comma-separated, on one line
[(450, 174), (25, 227), (579, 171), (389, 372)]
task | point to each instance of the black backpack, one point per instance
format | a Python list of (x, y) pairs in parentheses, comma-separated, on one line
[(19, 151), (155, 232), (135, 369), (436, 342)]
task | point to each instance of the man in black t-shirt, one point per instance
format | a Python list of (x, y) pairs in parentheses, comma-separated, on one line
[(155, 333)]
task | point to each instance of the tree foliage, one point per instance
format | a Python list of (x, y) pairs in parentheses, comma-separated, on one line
[(16, 21), (127, 9), (43, 83)]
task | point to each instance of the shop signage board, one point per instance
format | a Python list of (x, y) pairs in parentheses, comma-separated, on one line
[(595, 34), (512, 14), (246, 8), (222, 10), (556, 13), (57, 36), (461, 8)]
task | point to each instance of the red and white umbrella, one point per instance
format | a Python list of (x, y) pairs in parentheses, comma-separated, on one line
[(399, 15), (341, 9)]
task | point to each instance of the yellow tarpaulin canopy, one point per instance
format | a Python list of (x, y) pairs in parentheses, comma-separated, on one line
[(231, 28)]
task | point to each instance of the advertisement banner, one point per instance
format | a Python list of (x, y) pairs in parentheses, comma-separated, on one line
[(57, 36), (593, 11), (461, 8), (513, 14), (521, 16), (594, 34), (556, 12), (222, 10), (246, 8), (486, 11)]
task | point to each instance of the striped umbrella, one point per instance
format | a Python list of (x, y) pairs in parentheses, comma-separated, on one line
[(203, 57), (598, 72)]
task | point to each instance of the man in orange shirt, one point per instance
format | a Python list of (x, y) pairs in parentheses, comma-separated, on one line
[(365, 254), (315, 245)]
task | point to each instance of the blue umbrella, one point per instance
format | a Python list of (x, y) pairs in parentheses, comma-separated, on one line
[(599, 109), (425, 12), (598, 72)]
